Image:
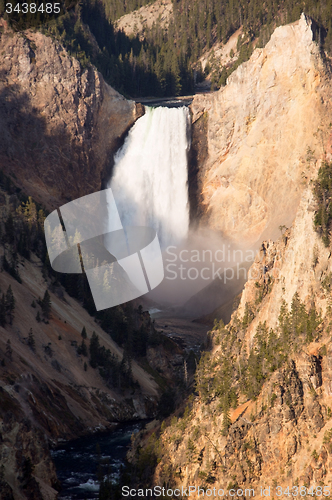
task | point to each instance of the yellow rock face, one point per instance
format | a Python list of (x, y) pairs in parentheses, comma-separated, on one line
[(259, 128)]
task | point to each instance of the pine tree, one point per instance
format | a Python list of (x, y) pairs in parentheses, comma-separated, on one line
[(126, 363), (29, 210), (3, 310), (9, 229), (83, 333), (226, 421), (46, 305), (94, 350), (9, 350), (82, 349), (31, 340), (10, 304)]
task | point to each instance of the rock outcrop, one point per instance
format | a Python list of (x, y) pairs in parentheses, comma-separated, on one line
[(258, 130), (283, 437), (260, 416), (138, 21), (27, 470), (60, 123)]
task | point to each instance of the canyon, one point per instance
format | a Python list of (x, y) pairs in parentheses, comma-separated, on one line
[(257, 146)]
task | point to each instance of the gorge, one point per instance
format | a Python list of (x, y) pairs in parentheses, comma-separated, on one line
[(258, 409)]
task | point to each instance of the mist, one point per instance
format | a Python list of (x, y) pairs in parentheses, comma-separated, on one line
[(203, 259)]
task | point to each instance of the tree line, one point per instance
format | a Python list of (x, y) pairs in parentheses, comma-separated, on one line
[(166, 62)]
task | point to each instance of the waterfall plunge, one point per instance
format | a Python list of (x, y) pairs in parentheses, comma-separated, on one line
[(150, 176)]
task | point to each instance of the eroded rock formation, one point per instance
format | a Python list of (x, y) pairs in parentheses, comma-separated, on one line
[(261, 412), (60, 123), (281, 437), (258, 130)]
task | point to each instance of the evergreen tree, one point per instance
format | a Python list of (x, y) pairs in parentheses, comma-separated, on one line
[(10, 304), (46, 305), (29, 210), (9, 229), (3, 310), (31, 340), (226, 421), (125, 365), (82, 349), (83, 333), (94, 350), (9, 350)]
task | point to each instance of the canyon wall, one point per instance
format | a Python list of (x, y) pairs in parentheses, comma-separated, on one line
[(257, 130), (138, 21), (48, 390), (60, 126), (282, 436), (260, 415), (61, 123)]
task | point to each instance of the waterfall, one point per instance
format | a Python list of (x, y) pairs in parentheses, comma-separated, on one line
[(149, 181)]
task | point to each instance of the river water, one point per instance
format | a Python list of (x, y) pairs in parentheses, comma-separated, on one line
[(77, 462)]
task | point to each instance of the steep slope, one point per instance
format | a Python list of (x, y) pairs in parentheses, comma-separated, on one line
[(260, 416), (50, 387), (258, 129), (61, 123), (280, 435)]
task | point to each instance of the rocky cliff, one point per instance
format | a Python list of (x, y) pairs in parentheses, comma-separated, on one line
[(257, 131), (61, 123), (280, 434), (60, 126), (260, 415)]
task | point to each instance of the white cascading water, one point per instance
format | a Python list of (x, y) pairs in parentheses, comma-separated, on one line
[(150, 176)]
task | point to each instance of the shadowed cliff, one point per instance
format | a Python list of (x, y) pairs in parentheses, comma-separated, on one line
[(61, 124)]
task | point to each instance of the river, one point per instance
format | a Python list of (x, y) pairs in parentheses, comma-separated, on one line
[(77, 462)]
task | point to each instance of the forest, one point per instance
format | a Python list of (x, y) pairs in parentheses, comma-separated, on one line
[(166, 62), (22, 234)]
